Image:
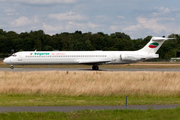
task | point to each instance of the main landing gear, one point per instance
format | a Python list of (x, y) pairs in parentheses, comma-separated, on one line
[(12, 67), (95, 67)]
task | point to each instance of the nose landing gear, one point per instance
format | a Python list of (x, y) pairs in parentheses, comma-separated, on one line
[(95, 67), (12, 67)]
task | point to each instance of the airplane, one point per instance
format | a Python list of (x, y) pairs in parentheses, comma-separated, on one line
[(94, 58)]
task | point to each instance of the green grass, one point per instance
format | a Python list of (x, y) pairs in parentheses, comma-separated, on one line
[(97, 115), (57, 100)]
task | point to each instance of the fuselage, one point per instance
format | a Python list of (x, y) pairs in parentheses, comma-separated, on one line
[(77, 57)]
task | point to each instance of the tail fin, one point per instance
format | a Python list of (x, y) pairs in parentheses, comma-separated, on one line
[(154, 44)]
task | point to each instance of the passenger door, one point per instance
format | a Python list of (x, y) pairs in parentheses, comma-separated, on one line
[(19, 57)]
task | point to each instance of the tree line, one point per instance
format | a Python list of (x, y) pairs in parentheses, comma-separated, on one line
[(78, 41)]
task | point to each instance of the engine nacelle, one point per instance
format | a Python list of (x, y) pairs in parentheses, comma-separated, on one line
[(129, 57)]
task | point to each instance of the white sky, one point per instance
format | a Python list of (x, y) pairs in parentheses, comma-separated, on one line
[(137, 18)]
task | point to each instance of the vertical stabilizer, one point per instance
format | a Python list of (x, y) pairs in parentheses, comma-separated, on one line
[(153, 45)]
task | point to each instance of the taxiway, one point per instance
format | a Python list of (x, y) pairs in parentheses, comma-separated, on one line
[(80, 108), (86, 69)]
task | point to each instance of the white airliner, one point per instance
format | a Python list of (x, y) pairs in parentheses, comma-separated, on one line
[(93, 58)]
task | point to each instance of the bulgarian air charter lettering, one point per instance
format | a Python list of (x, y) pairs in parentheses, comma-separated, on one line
[(39, 54)]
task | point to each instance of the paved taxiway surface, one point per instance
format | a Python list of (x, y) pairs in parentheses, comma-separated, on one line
[(85, 69), (79, 108)]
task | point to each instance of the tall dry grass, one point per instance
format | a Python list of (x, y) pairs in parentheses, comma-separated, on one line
[(91, 83)]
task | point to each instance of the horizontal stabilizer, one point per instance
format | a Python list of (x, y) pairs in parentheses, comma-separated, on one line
[(160, 39)]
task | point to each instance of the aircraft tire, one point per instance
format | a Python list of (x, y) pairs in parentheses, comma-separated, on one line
[(12, 67), (95, 67)]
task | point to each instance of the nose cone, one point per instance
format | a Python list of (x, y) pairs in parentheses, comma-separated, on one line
[(7, 61)]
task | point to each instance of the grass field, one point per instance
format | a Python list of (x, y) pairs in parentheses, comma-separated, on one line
[(88, 88), (91, 83), (59, 100), (91, 88), (88, 83), (170, 114)]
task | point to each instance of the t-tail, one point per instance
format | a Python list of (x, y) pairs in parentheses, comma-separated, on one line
[(146, 53), (153, 45)]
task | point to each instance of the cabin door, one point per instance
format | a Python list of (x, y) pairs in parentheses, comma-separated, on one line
[(19, 57)]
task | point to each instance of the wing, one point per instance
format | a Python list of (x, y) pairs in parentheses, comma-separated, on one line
[(91, 62)]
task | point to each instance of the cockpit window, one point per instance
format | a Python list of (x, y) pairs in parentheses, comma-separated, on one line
[(14, 55)]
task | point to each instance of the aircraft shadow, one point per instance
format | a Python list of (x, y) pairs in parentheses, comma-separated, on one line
[(92, 70)]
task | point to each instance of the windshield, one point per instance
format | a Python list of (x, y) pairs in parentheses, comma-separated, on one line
[(13, 55)]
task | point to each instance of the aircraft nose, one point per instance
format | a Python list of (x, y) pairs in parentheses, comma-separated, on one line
[(7, 61)]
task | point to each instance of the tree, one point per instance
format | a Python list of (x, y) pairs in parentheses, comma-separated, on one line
[(80, 41), (37, 45)]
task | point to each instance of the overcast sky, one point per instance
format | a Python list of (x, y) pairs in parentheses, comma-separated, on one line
[(137, 18)]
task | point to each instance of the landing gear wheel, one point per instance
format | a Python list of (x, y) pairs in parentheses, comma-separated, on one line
[(12, 67), (95, 67)]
